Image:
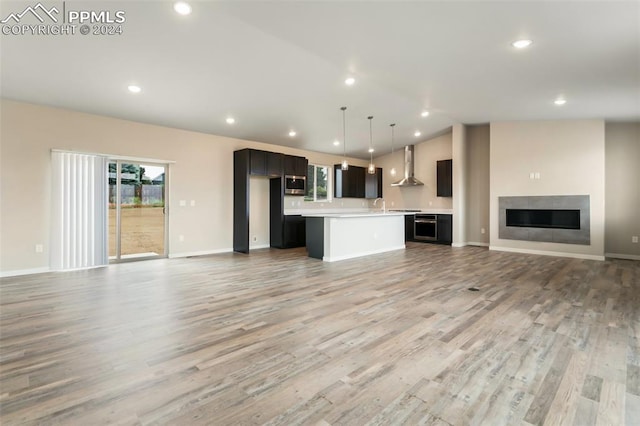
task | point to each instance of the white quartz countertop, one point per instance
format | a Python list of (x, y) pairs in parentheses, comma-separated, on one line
[(360, 212), (356, 214)]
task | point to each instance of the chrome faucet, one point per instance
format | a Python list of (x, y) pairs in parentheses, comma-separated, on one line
[(384, 208)]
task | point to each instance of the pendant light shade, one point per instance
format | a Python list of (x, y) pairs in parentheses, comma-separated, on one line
[(345, 164), (393, 169), (372, 168)]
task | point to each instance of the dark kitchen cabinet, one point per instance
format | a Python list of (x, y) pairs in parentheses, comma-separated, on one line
[(294, 231), (349, 183), (258, 162), (445, 228), (295, 166), (373, 184), (247, 162), (275, 163), (241, 169), (445, 178), (409, 221), (284, 231), (264, 163)]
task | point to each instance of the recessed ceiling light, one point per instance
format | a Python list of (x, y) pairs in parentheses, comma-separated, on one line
[(424, 114), (134, 89), (292, 133), (417, 133), (371, 150), (350, 81), (182, 8), (521, 44), (230, 120), (560, 101), (336, 142)]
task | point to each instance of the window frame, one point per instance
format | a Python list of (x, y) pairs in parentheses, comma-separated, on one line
[(315, 187)]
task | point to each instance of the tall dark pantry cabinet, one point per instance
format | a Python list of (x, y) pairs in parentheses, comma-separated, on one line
[(284, 231)]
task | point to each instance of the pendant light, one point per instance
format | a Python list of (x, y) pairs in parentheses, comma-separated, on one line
[(372, 168), (393, 169), (345, 164)]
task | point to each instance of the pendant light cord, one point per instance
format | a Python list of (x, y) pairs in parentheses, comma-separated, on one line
[(392, 127), (344, 135), (371, 138)]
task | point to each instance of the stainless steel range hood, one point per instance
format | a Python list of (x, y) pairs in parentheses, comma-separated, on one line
[(409, 178)]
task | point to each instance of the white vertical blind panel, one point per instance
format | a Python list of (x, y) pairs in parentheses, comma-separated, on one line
[(79, 219)]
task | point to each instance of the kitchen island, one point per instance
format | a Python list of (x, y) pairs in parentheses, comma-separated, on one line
[(339, 236)]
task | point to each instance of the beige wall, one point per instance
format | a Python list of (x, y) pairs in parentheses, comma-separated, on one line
[(622, 187), (418, 197), (477, 184), (569, 155), (203, 172)]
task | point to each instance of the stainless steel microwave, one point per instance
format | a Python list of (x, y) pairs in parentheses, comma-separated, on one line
[(295, 185)]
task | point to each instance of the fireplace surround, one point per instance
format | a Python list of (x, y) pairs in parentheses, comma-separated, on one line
[(555, 218)]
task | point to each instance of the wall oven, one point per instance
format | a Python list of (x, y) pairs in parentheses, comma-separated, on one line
[(294, 185), (425, 227)]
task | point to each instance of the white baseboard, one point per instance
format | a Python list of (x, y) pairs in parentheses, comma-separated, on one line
[(470, 243), (261, 246), (622, 256), (199, 253), (19, 272), (548, 253), (475, 243)]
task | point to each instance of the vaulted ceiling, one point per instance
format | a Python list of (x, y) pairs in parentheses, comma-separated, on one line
[(278, 66)]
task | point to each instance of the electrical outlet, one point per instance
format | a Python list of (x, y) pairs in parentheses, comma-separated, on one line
[(482, 230), (183, 203), (181, 238), (537, 175), (532, 175), (193, 203), (634, 239), (40, 247), (393, 204)]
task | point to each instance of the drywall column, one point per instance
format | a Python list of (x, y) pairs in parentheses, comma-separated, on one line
[(459, 155)]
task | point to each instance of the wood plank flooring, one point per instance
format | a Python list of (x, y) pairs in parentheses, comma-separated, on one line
[(277, 338)]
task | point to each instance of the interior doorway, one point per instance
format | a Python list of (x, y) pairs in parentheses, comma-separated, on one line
[(137, 213)]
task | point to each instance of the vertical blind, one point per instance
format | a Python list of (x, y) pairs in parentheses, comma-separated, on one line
[(79, 211)]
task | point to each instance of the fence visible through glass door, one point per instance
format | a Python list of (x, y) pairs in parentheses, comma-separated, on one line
[(136, 210)]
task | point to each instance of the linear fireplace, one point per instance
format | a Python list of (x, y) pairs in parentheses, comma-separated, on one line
[(544, 218), (553, 218)]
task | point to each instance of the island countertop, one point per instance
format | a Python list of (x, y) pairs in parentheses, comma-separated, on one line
[(357, 214)]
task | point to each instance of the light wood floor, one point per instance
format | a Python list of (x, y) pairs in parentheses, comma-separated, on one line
[(277, 338)]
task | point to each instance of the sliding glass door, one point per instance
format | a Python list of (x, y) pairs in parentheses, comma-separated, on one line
[(137, 219)]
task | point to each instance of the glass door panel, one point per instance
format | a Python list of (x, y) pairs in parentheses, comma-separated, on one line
[(113, 209), (137, 223)]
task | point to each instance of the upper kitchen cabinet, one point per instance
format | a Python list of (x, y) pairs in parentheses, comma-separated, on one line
[(295, 166), (264, 163), (445, 178), (349, 183), (257, 162), (275, 164), (373, 184)]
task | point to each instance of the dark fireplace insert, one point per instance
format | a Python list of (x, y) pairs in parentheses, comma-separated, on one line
[(544, 218)]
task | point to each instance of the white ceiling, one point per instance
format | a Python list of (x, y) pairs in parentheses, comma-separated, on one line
[(277, 66)]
